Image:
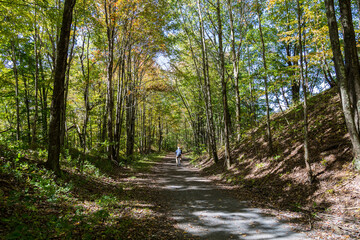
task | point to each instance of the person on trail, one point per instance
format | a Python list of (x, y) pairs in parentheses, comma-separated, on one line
[(178, 153)]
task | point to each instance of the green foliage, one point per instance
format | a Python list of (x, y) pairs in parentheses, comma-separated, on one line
[(107, 200), (260, 165), (43, 206)]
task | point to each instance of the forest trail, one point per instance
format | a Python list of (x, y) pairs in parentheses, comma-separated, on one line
[(205, 211)]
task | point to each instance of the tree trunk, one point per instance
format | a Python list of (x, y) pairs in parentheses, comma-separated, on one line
[(268, 127), (43, 99), (130, 110), (207, 90), (352, 67), (104, 118), (143, 132), (27, 105), (235, 72), (161, 135), (58, 92), (327, 74), (110, 27), (304, 81), (63, 126), (86, 76), (34, 130), (44, 114), (226, 114), (119, 107), (285, 99), (16, 75), (295, 85), (252, 109), (194, 119), (343, 81)]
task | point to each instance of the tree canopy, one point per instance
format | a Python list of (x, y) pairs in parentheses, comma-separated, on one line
[(146, 75)]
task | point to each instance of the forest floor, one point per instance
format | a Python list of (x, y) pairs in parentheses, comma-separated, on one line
[(100, 202), (151, 199)]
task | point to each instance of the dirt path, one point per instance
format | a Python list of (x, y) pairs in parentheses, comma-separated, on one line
[(203, 210)]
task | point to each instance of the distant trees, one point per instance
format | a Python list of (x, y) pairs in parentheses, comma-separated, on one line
[(276, 53), (123, 45), (228, 66)]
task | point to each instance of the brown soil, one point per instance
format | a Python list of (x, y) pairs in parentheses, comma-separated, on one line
[(330, 206)]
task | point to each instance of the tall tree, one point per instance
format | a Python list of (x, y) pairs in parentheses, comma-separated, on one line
[(58, 92), (304, 81), (346, 79), (235, 51), (109, 6), (263, 54), (226, 114), (207, 89), (16, 75), (34, 127)]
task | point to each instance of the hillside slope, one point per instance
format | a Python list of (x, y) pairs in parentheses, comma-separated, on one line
[(279, 181)]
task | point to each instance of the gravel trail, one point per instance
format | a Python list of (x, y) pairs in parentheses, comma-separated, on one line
[(204, 210)]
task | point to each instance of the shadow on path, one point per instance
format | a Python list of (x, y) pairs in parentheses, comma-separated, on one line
[(202, 209)]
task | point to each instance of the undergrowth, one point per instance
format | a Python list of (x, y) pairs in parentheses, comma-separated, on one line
[(88, 201)]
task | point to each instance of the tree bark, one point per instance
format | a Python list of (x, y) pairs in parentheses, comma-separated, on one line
[(207, 90), (295, 84), (194, 118), (36, 115), (235, 61), (58, 92), (43, 98), (268, 127), (16, 75), (304, 81), (130, 109), (226, 114), (352, 66), (119, 107), (27, 105), (110, 27), (343, 81), (161, 134), (86, 76), (63, 126)]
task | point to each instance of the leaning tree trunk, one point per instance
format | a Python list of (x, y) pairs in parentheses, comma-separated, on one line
[(58, 92), (343, 81)]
